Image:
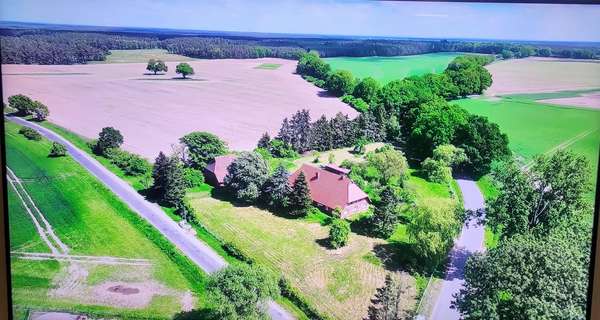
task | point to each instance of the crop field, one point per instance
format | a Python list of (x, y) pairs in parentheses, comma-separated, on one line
[(113, 267), (542, 75), (230, 98), (536, 128), (386, 69), (141, 56)]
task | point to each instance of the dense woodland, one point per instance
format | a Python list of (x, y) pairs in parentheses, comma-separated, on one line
[(61, 47)]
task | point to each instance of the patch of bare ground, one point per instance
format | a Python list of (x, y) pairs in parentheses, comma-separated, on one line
[(234, 100), (591, 100), (130, 287), (542, 75)]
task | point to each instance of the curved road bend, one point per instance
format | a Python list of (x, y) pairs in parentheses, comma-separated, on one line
[(470, 241), (201, 254)]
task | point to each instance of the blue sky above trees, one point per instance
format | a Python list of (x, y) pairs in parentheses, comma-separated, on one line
[(403, 19)]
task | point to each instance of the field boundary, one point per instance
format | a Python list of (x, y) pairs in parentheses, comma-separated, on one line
[(563, 145)]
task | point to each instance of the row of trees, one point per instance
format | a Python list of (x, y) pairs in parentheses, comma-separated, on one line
[(539, 270), (24, 106), (412, 113), (58, 47)]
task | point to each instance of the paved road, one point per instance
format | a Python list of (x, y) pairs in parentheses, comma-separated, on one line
[(197, 251), (470, 241)]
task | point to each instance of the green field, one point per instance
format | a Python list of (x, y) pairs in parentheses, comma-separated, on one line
[(386, 69), (90, 220), (269, 66), (535, 128), (141, 55)]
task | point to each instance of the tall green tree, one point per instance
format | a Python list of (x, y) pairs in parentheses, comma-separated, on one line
[(386, 215), (296, 132), (39, 111), (390, 164), (342, 131), (368, 90), (340, 82), (241, 291), (300, 200), (321, 135), (529, 277), (246, 176), (390, 300), (277, 189), (156, 66), (264, 141), (22, 103), (184, 69), (201, 148), (310, 64), (108, 138), (169, 180), (432, 232), (539, 199)]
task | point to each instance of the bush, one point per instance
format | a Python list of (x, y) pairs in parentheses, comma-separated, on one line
[(57, 150), (30, 134), (280, 149), (338, 233), (356, 103), (130, 163), (436, 171), (193, 177)]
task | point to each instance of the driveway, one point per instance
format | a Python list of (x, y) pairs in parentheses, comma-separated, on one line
[(201, 254), (470, 241)]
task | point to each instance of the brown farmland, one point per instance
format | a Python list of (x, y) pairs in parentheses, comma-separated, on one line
[(534, 75), (230, 98)]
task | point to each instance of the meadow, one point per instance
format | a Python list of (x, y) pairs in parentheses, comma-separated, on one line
[(386, 69), (91, 221)]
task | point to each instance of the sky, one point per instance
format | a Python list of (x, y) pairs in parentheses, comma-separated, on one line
[(333, 17)]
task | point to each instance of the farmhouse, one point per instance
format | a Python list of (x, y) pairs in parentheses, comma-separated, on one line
[(330, 188), (216, 170)]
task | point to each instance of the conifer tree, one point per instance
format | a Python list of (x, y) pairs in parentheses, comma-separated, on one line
[(300, 197), (387, 304), (277, 189)]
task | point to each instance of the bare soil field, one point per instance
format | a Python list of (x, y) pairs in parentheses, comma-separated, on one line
[(230, 98), (591, 100), (542, 75)]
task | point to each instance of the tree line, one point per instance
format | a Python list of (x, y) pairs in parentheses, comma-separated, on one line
[(412, 113), (60, 47)]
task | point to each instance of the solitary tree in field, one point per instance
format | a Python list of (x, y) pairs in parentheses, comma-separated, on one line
[(156, 66), (109, 138), (184, 69)]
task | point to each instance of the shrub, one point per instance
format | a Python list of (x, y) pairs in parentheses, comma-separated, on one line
[(280, 149), (30, 134), (57, 150), (193, 177), (338, 233), (436, 171), (130, 163)]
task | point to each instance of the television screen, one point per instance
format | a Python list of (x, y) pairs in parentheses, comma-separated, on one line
[(299, 159)]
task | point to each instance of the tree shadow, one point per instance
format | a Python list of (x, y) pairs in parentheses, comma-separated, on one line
[(325, 243), (325, 94), (362, 226), (202, 314)]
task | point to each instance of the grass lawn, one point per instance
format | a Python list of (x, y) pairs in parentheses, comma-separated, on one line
[(141, 55), (91, 221), (386, 69), (337, 282), (535, 128), (268, 66)]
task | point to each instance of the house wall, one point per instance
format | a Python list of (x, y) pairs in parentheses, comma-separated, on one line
[(355, 207)]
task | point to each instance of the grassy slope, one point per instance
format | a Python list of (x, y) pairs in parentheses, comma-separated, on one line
[(386, 69), (90, 220), (141, 56)]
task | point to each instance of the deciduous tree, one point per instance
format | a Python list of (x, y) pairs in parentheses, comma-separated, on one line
[(184, 69), (108, 138), (201, 148), (246, 176), (157, 66), (277, 189), (340, 82)]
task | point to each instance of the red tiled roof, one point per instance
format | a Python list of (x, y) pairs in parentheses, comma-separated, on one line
[(219, 167), (328, 188)]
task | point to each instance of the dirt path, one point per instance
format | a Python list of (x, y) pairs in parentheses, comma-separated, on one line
[(83, 259)]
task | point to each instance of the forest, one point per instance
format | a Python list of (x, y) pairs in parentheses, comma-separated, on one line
[(37, 46)]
